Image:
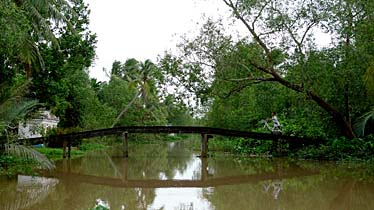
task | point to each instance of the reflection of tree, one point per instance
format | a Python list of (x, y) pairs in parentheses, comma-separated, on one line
[(184, 206), (26, 192), (276, 185), (145, 162), (322, 191), (344, 199), (144, 198)]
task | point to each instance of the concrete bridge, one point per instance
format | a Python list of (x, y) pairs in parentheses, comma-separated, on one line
[(205, 132)]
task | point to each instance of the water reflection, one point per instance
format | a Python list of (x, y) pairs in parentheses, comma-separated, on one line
[(172, 177), (25, 192)]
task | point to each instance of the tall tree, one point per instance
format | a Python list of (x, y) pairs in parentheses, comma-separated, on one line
[(64, 84), (143, 77), (42, 15), (294, 26), (282, 48), (14, 28)]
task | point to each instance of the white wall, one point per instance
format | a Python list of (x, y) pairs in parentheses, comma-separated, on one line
[(34, 128)]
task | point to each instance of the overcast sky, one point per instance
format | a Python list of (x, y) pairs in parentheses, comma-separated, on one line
[(142, 29)]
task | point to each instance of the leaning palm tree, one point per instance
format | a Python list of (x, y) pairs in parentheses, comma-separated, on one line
[(140, 76), (42, 15)]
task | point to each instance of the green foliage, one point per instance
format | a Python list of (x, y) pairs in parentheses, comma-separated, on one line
[(340, 149), (177, 112), (241, 146), (14, 27), (173, 138), (318, 91), (57, 153), (64, 86), (133, 92), (364, 123), (91, 147), (100, 207), (29, 153), (10, 166), (13, 103), (253, 147)]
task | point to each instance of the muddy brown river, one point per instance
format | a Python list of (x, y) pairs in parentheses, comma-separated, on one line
[(170, 176)]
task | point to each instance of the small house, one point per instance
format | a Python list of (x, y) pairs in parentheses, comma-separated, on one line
[(37, 127)]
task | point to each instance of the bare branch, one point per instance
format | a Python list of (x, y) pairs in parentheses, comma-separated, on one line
[(259, 14), (267, 33), (250, 29), (307, 30), (233, 90), (261, 68)]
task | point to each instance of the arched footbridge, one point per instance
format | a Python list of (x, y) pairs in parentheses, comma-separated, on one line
[(206, 134)]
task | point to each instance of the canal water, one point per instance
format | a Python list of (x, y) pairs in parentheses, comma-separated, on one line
[(170, 176)]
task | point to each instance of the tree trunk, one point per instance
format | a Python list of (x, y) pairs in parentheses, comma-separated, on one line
[(338, 117), (125, 109), (28, 70)]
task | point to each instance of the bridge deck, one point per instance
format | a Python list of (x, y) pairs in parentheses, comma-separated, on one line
[(175, 130)]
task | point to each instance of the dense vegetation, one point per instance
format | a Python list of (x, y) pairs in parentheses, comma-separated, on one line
[(46, 50), (327, 92), (319, 91)]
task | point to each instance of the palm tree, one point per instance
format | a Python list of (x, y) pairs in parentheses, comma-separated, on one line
[(42, 15), (142, 77)]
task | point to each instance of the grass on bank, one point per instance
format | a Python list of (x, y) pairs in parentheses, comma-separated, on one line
[(10, 165), (56, 153)]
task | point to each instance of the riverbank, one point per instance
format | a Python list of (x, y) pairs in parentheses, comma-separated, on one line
[(337, 149), (11, 165)]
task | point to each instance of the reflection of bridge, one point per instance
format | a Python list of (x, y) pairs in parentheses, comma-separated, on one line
[(206, 133), (204, 181)]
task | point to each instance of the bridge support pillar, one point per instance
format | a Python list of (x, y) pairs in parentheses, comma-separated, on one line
[(66, 143), (204, 169), (69, 149), (125, 139), (204, 145)]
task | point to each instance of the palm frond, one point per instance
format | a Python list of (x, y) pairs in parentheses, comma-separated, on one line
[(29, 153), (360, 125), (13, 105), (38, 21), (13, 110)]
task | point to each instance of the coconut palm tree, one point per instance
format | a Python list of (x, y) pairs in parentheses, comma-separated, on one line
[(42, 15), (142, 76)]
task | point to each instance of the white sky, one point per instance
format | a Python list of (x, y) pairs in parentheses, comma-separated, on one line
[(142, 29)]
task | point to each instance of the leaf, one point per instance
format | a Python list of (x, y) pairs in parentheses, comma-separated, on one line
[(360, 125), (29, 153)]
